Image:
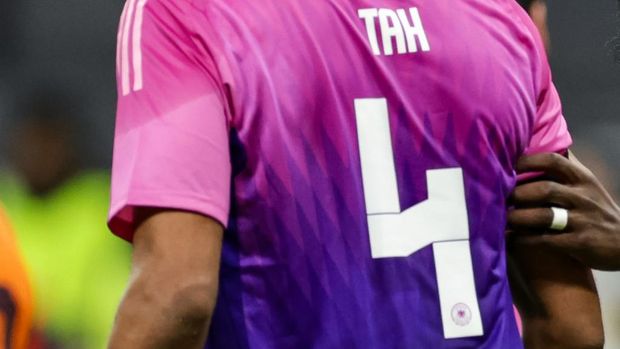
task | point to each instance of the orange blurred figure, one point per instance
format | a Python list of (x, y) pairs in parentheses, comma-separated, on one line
[(16, 303)]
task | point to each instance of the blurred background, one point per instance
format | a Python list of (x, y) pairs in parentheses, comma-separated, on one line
[(57, 103)]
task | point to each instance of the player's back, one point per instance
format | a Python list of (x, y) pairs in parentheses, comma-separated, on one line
[(373, 146), (15, 294)]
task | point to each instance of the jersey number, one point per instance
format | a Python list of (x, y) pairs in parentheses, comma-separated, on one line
[(441, 220), (8, 310)]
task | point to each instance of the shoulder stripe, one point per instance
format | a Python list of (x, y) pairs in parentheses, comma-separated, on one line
[(130, 30), (125, 47), (137, 46), (119, 38)]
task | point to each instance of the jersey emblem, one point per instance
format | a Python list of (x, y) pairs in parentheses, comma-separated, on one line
[(461, 314)]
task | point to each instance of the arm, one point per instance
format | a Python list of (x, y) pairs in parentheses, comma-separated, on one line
[(556, 298), (171, 150), (554, 292), (173, 286), (593, 232)]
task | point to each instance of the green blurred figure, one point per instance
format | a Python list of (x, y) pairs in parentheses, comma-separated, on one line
[(59, 211)]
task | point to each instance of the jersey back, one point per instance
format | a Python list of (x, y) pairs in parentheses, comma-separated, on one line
[(360, 154)]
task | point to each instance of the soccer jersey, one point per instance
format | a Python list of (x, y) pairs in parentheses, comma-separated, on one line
[(359, 153), (16, 303)]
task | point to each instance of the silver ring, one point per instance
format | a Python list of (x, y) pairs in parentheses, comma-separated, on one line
[(560, 218)]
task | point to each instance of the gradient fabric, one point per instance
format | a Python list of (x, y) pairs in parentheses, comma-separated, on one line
[(249, 112)]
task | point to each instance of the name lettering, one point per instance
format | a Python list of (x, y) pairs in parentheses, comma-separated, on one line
[(397, 27)]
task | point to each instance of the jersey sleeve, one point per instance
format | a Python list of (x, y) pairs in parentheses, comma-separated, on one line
[(171, 138), (550, 132)]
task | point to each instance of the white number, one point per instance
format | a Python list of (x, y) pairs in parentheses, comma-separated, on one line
[(441, 220)]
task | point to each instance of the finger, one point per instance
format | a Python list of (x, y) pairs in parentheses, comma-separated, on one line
[(545, 194), (553, 165), (578, 164), (523, 221)]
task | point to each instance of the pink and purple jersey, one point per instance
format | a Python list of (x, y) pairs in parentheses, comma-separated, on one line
[(360, 154)]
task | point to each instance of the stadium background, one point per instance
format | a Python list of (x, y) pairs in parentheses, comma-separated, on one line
[(57, 63)]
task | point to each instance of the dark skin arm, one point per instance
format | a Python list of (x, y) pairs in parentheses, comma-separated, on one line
[(555, 293), (556, 298), (593, 232), (173, 287)]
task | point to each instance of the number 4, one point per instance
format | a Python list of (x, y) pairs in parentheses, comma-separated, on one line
[(441, 220)]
